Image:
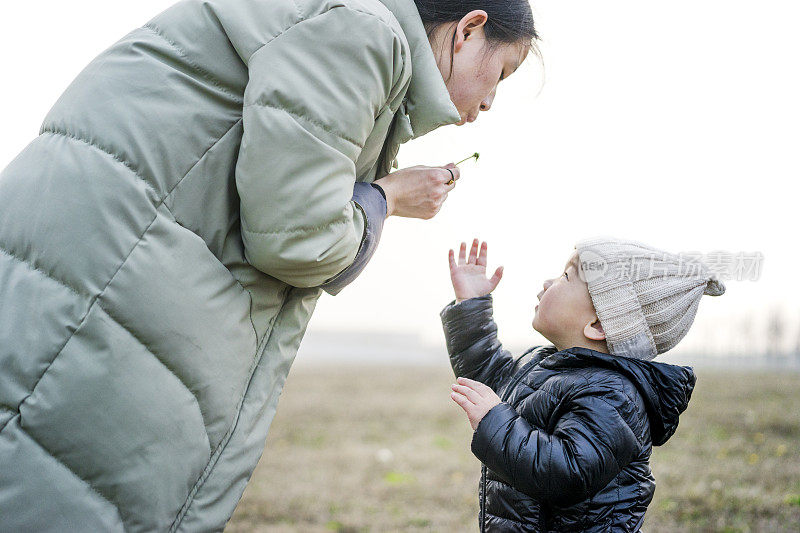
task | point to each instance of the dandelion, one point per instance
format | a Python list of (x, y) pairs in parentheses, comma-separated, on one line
[(476, 155)]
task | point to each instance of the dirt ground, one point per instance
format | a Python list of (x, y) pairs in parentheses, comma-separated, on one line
[(380, 448)]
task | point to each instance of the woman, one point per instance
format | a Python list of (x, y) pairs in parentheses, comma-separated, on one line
[(164, 240)]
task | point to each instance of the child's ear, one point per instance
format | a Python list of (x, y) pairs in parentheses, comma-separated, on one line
[(594, 330)]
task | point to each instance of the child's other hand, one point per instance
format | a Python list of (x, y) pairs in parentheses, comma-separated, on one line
[(475, 398), (469, 275)]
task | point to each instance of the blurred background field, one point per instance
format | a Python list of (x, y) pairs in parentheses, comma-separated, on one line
[(367, 447)]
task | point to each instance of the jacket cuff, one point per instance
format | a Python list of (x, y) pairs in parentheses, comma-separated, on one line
[(461, 321), (453, 310), (487, 440), (372, 203)]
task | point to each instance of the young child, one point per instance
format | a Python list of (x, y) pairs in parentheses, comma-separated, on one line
[(565, 431)]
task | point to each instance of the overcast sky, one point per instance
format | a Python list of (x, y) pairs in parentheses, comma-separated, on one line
[(677, 124)]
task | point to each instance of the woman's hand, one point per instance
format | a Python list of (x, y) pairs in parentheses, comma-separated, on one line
[(417, 192), (475, 398), (469, 275)]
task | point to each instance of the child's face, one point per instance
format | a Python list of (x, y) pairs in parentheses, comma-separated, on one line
[(565, 308)]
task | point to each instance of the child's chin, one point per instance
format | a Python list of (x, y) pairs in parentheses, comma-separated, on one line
[(537, 327)]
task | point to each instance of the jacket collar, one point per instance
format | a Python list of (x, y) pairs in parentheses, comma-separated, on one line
[(666, 389), (427, 103)]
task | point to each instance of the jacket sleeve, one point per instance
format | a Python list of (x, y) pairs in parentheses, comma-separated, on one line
[(372, 204), (310, 103), (471, 337), (589, 446)]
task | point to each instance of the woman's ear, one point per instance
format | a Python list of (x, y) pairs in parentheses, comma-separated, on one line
[(469, 23), (594, 330)]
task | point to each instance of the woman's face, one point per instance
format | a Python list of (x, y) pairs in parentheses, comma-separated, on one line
[(475, 74)]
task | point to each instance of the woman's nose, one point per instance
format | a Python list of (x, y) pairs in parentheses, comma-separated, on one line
[(486, 104)]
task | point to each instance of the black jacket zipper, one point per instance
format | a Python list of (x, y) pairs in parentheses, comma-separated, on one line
[(483, 498), (517, 378)]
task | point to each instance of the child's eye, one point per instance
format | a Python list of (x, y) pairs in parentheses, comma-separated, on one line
[(566, 276)]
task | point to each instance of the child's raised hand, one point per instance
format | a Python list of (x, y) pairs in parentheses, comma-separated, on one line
[(469, 274), (475, 398)]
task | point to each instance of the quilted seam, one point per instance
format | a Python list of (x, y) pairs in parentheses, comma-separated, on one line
[(224, 443)]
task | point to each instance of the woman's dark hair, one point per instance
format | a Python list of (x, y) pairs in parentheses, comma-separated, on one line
[(508, 22)]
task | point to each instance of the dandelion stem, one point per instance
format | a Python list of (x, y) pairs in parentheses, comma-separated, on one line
[(476, 155)]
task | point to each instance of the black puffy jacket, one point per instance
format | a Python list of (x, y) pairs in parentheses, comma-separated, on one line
[(568, 449)]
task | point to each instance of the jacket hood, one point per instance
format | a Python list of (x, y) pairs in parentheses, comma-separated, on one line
[(666, 388), (427, 104)]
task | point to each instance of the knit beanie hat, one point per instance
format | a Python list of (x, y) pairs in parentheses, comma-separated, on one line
[(645, 298)]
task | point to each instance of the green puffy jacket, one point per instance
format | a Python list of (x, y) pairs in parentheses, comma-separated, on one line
[(164, 241)]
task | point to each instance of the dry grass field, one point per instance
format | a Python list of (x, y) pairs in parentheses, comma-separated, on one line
[(381, 448)]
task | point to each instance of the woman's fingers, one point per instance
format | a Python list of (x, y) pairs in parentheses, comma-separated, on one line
[(473, 252), (456, 173)]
